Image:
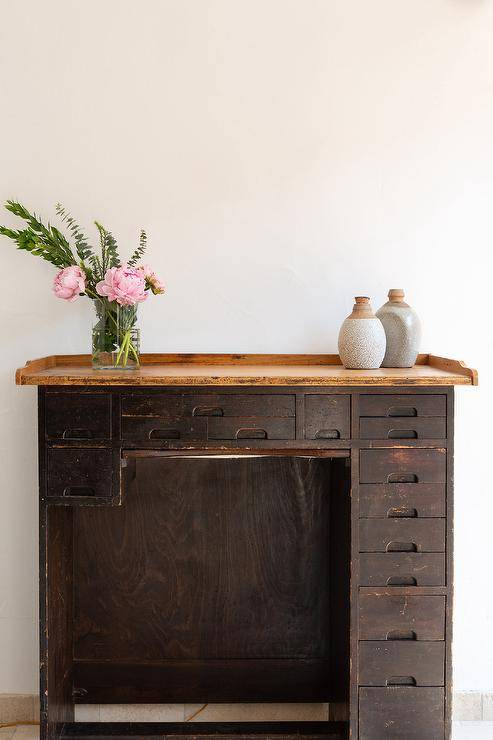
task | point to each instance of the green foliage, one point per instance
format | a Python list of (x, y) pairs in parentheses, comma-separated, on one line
[(42, 241), (139, 252), (48, 242), (82, 247)]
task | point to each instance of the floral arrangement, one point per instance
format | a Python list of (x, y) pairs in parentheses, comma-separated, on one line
[(116, 288)]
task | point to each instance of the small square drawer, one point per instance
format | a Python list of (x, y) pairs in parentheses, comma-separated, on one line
[(402, 535), (401, 663), (402, 569), (402, 500), (387, 617), (403, 428), (408, 713), (251, 428), (403, 465), (79, 473), (77, 415), (327, 416), (403, 405)]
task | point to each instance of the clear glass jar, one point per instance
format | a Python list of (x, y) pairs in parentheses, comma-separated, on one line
[(115, 337)]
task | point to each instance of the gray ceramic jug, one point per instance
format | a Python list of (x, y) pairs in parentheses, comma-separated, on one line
[(402, 330)]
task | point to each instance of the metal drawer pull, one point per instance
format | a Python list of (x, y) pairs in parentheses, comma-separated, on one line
[(79, 491), (207, 411), (402, 434), (401, 635), (164, 434), (252, 433), (401, 513), (401, 681), (77, 434), (328, 434), (401, 581), (402, 478), (401, 547), (402, 411)]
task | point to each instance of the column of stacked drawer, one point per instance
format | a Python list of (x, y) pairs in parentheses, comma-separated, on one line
[(403, 567)]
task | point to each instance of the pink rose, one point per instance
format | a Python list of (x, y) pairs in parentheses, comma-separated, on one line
[(125, 285), (152, 280), (69, 283)]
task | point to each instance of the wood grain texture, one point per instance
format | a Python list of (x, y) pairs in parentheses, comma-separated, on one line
[(222, 559), (380, 662), (401, 712), (267, 370), (210, 730)]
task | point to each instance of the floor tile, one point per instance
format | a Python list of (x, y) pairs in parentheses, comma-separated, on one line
[(256, 712), (472, 731), (141, 712)]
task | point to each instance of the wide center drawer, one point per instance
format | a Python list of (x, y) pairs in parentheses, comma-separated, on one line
[(176, 405), (214, 416)]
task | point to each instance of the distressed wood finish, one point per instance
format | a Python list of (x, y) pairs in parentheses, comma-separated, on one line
[(224, 370), (236, 543)]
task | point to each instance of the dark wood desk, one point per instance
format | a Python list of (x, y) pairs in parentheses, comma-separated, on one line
[(247, 528)]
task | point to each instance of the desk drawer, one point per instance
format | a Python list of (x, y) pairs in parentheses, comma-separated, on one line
[(402, 405), (416, 428), (79, 473), (402, 535), (162, 429), (401, 663), (327, 416), (175, 405), (402, 500), (251, 428), (384, 617), (403, 465), (407, 713), (77, 415), (402, 569)]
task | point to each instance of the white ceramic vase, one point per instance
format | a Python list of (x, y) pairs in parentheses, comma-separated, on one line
[(402, 329), (362, 338)]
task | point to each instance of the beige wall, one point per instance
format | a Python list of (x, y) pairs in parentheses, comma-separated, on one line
[(283, 155)]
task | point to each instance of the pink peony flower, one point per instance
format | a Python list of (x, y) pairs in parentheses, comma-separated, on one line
[(69, 283), (152, 280), (125, 285)]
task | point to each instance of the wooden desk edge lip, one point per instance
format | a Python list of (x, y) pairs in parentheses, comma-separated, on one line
[(226, 369)]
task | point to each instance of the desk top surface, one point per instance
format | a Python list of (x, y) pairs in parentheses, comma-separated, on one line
[(242, 370)]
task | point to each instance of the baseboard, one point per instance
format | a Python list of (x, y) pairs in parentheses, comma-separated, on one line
[(18, 708)]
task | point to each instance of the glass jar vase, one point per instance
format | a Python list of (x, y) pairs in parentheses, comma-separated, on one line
[(115, 337)]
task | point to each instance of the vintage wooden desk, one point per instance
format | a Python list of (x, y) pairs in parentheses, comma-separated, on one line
[(247, 528)]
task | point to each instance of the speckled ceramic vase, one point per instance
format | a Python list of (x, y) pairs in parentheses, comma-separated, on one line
[(402, 329), (362, 338)]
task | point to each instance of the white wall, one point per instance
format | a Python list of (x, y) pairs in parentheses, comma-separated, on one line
[(284, 155)]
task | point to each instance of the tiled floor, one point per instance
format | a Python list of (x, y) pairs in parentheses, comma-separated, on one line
[(461, 731)]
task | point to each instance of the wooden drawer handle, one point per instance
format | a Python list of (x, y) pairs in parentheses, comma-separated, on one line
[(164, 434), (398, 512), (401, 581), (402, 434), (402, 411), (207, 411), (252, 433), (77, 434), (401, 635), (401, 547), (402, 478), (79, 491), (328, 434), (401, 681)]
